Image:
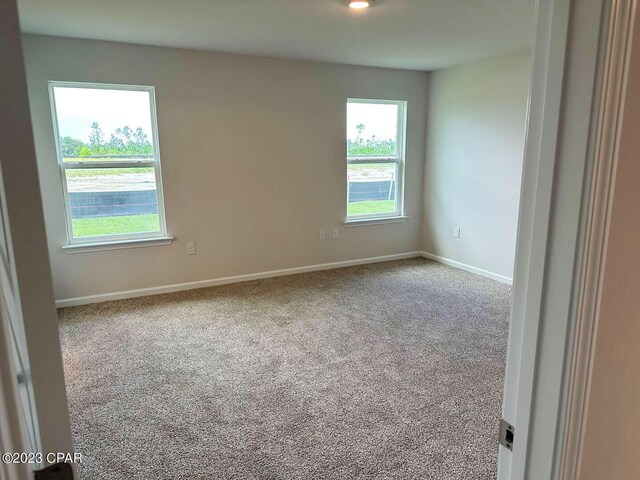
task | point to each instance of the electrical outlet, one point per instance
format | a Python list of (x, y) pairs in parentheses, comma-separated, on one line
[(323, 234), (336, 233), (191, 248), (456, 232)]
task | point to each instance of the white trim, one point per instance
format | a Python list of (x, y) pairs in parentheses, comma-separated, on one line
[(143, 292), (597, 227), (356, 160), (468, 268), (117, 245), (374, 221)]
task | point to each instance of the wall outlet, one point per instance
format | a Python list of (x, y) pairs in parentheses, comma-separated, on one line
[(336, 233), (456, 232), (323, 234), (191, 248)]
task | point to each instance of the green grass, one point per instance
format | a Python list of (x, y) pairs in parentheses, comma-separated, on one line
[(93, 227), (371, 151), (370, 207)]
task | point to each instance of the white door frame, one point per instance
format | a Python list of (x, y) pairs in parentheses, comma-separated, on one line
[(614, 83), (559, 156)]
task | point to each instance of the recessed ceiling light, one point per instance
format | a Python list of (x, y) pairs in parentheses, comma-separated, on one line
[(359, 4)]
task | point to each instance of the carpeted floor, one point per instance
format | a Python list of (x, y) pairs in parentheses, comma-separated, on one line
[(392, 370)]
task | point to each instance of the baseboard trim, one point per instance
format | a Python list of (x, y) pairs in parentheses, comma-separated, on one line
[(468, 268), (143, 292)]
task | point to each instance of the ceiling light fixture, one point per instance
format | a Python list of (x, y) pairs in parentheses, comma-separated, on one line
[(359, 4)]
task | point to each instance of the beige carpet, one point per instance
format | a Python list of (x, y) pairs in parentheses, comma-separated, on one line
[(392, 370)]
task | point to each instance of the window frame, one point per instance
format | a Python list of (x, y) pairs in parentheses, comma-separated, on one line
[(119, 238), (398, 159)]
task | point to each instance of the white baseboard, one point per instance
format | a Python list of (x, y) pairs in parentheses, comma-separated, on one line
[(142, 292), (468, 268)]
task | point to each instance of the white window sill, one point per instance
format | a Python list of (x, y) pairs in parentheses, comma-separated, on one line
[(374, 221), (117, 245)]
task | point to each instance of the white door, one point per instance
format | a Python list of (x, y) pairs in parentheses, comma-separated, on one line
[(565, 88)]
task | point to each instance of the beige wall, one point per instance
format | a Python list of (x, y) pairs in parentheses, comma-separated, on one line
[(253, 159), (474, 157), (612, 435)]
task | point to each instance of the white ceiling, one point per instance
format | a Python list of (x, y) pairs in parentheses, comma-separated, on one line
[(410, 34)]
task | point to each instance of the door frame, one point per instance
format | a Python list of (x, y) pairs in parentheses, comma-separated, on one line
[(572, 37), (614, 85)]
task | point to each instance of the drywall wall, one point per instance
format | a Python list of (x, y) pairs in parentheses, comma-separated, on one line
[(253, 161), (474, 155), (612, 432)]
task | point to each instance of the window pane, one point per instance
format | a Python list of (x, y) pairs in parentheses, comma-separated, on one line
[(102, 124), (371, 188), (372, 129), (112, 201)]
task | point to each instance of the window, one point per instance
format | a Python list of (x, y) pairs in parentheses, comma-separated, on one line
[(375, 159), (107, 143)]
